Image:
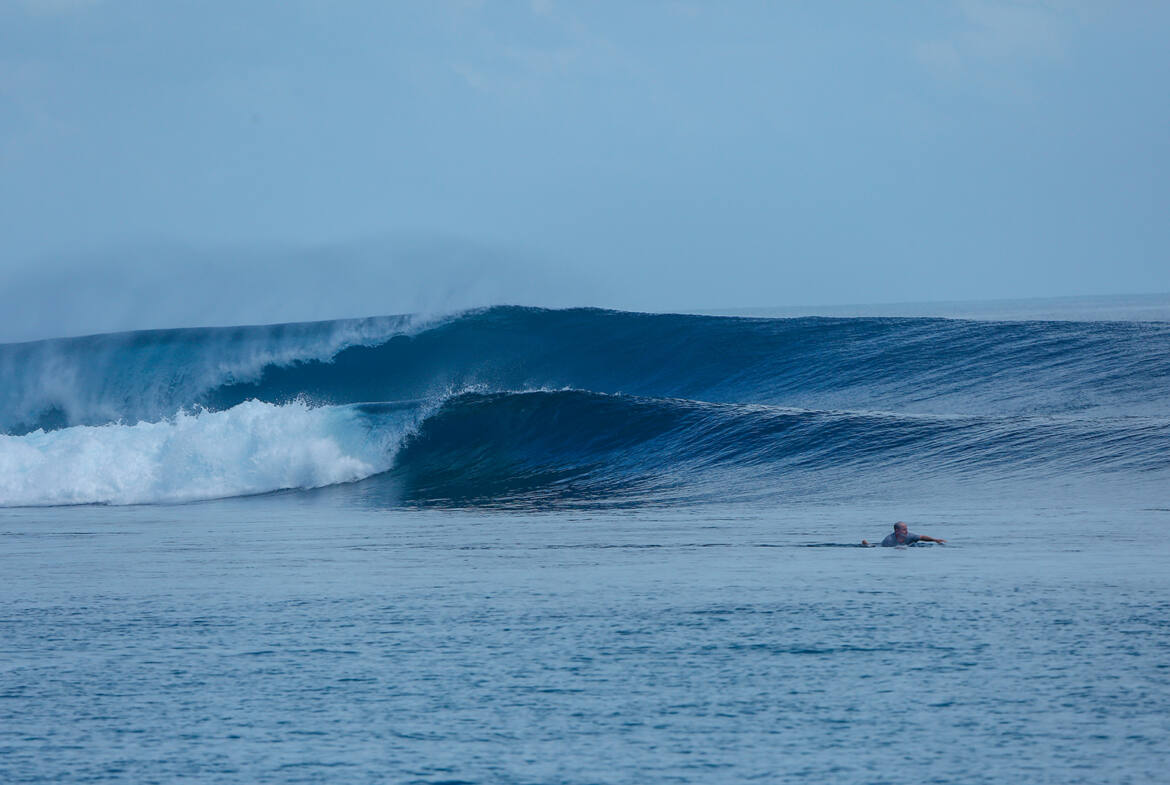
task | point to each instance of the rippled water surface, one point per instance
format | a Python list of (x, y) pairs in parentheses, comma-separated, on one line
[(291, 638)]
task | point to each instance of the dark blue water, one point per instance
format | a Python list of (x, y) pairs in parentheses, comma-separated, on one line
[(281, 640), (528, 546)]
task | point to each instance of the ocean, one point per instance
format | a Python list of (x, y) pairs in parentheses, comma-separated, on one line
[(519, 545)]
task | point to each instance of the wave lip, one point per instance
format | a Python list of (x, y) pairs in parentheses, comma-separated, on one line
[(252, 448), (151, 374), (927, 366)]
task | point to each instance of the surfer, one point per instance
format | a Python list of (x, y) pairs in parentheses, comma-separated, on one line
[(902, 536)]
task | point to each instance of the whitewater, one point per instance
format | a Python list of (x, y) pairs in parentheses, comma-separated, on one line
[(520, 545)]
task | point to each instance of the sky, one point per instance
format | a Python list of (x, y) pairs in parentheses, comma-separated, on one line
[(181, 163)]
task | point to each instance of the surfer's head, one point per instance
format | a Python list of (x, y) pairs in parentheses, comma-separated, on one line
[(900, 526)]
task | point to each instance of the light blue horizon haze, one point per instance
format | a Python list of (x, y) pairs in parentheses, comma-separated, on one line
[(191, 163)]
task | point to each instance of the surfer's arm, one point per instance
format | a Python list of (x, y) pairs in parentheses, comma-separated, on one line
[(927, 538)]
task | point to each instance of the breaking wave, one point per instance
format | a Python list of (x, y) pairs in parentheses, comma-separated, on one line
[(529, 406)]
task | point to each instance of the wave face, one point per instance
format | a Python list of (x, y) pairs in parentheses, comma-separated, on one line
[(522, 406)]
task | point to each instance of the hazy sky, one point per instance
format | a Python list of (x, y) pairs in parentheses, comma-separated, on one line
[(190, 162)]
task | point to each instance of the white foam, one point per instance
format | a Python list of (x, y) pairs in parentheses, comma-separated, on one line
[(254, 447)]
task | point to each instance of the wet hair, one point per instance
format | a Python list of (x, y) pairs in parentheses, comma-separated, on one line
[(902, 524)]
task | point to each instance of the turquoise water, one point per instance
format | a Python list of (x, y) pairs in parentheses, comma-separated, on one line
[(310, 638)]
